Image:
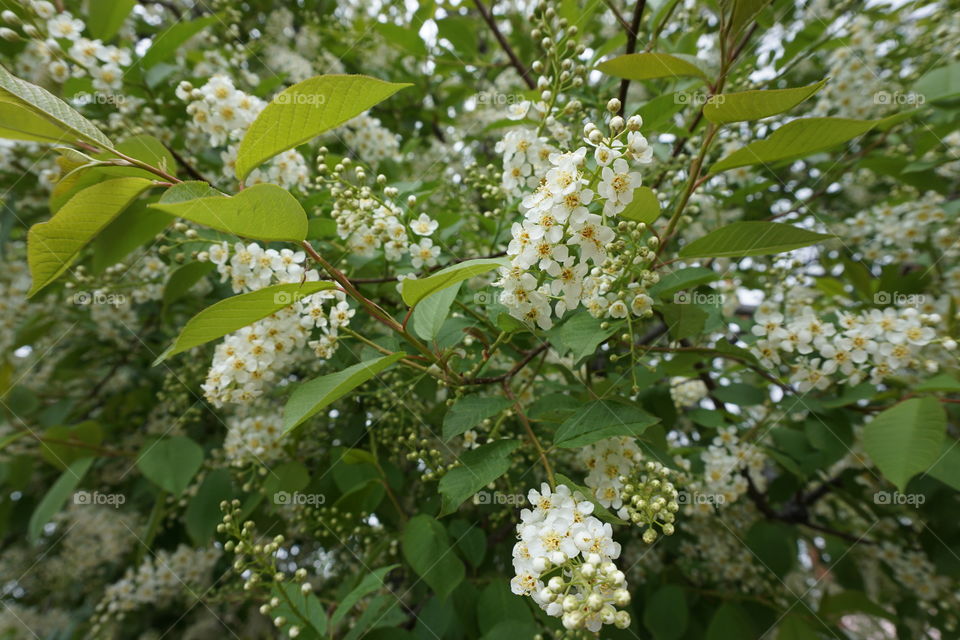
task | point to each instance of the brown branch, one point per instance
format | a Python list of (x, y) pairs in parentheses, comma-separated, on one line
[(631, 48), (514, 60), (505, 377)]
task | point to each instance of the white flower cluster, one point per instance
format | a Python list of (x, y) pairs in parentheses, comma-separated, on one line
[(370, 140), (222, 113), (560, 532), (159, 580), (855, 89), (914, 571), (875, 343), (606, 462), (250, 358), (894, 233), (552, 249), (254, 439), (723, 480), (687, 392), (369, 224)]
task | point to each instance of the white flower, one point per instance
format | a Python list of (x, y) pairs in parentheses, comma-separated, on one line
[(617, 186), (424, 225), (65, 25), (518, 110), (424, 253)]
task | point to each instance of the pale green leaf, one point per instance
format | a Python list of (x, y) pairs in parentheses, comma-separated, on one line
[(938, 84), (754, 105), (478, 468), (647, 66), (105, 17), (56, 497), (906, 439), (602, 419), (183, 279), (238, 311), (166, 43), (416, 290), (644, 207), (468, 412), (751, 238), (306, 110), (796, 139), (54, 245), (429, 315), (170, 463), (44, 104), (262, 212), (310, 397)]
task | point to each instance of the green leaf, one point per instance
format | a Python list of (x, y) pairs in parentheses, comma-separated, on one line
[(599, 510), (427, 550), (774, 545), (666, 614), (675, 281), (730, 621), (55, 498), (167, 42), (306, 110), (750, 238), (942, 382), (171, 463), (371, 582), (580, 335), (42, 103), (647, 66), (754, 105), (19, 123), (744, 11), (310, 397), (303, 610), (183, 279), (940, 83), (133, 228), (479, 467), (54, 245), (203, 512), (468, 412), (237, 312), (429, 315), (644, 207), (906, 439), (796, 139), (683, 320), (794, 627), (263, 212), (105, 17), (69, 443), (414, 291), (837, 605), (947, 467), (602, 419), (145, 148)]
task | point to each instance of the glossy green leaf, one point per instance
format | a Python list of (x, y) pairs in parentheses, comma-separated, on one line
[(416, 290), (238, 311), (647, 66), (754, 105), (644, 207), (751, 238), (262, 212), (479, 467), (429, 315), (54, 245), (906, 439), (310, 397), (304, 111)]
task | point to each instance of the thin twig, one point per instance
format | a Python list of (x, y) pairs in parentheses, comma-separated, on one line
[(514, 60)]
